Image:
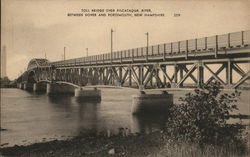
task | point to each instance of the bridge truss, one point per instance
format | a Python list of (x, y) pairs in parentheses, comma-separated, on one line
[(177, 74), (224, 58)]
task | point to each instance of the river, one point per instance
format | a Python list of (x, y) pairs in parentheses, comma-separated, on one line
[(30, 117)]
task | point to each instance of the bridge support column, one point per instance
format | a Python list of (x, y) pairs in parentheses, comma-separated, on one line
[(175, 79), (130, 78), (19, 85), (25, 86), (141, 73), (56, 89), (48, 89), (164, 77), (34, 87), (39, 87), (229, 75), (200, 74), (88, 94), (152, 103), (158, 84), (28, 86), (22, 86)]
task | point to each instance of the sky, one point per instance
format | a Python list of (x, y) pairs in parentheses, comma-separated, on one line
[(31, 28)]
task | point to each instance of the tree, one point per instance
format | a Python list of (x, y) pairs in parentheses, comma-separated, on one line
[(202, 116), (5, 81)]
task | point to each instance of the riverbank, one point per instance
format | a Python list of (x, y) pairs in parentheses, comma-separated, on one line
[(91, 145), (137, 145)]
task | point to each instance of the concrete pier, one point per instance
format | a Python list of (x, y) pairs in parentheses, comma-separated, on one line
[(88, 94), (19, 85), (156, 103), (39, 87), (35, 87), (25, 86), (28, 86), (56, 89)]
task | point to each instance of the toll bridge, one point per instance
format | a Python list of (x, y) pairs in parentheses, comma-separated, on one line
[(188, 63)]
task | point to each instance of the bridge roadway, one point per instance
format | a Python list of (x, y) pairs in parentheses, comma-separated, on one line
[(226, 44)]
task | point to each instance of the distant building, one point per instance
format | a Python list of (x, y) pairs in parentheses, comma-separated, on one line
[(3, 62)]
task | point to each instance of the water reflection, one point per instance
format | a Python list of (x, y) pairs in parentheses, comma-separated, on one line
[(85, 100), (148, 122), (91, 117), (64, 115), (82, 112), (87, 117), (61, 101)]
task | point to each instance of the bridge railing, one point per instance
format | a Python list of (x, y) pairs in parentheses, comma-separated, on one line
[(185, 47)]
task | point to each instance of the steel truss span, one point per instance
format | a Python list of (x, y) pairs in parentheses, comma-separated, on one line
[(153, 75), (224, 58)]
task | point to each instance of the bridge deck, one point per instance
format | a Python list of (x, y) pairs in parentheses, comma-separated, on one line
[(222, 46)]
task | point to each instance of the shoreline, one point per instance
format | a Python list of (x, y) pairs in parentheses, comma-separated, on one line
[(156, 144), (95, 133), (92, 145)]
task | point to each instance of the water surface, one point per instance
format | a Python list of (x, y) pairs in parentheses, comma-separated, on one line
[(30, 117)]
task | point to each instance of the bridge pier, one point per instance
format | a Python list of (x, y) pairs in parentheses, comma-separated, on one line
[(34, 87), (56, 89), (39, 87), (153, 103), (88, 94), (28, 86), (19, 85), (25, 86), (53, 89)]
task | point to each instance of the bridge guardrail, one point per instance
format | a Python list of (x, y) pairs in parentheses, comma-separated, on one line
[(199, 45)]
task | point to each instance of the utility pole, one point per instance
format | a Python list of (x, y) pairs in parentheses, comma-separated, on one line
[(87, 52), (64, 51), (111, 55), (147, 47), (45, 56)]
